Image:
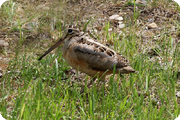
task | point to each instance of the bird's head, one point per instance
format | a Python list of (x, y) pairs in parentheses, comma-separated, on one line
[(67, 35)]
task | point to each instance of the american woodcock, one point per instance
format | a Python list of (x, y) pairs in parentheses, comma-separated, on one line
[(89, 56)]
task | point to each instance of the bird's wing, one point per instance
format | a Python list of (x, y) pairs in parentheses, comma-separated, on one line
[(99, 58)]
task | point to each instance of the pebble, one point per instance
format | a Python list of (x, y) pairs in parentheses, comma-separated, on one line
[(121, 25), (3, 43), (143, 2), (152, 26), (43, 7), (116, 17), (178, 94)]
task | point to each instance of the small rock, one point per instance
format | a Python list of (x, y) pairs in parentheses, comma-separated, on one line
[(144, 2), (3, 43), (110, 29), (121, 25), (6, 44), (152, 26), (43, 7), (116, 17), (178, 94)]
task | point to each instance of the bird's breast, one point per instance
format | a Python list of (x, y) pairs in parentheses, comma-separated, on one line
[(71, 58)]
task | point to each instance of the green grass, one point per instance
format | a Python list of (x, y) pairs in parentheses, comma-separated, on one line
[(37, 92), (32, 89)]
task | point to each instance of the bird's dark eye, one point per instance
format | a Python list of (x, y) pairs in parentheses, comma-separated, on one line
[(70, 31)]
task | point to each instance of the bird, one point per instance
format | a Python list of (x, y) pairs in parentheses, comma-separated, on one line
[(89, 56)]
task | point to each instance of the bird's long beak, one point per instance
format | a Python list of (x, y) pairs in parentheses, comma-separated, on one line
[(58, 43)]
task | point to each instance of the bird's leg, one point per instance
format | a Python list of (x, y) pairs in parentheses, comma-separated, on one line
[(89, 84), (97, 80), (101, 81)]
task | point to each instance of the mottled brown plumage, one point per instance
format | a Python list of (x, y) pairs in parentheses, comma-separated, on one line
[(89, 56)]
